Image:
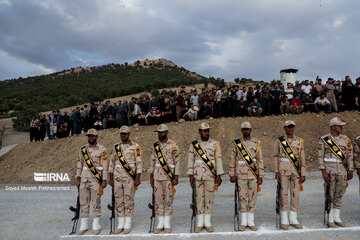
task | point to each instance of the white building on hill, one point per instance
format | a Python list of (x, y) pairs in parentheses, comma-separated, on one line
[(288, 76)]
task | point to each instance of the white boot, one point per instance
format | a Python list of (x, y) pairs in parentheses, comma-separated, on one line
[(160, 225), (96, 226), (284, 220), (120, 227), (244, 221), (293, 220), (83, 226), (207, 223), (337, 219), (167, 224), (331, 219), (127, 225), (251, 223), (199, 222)]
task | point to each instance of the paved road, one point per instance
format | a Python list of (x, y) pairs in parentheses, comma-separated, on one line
[(45, 214)]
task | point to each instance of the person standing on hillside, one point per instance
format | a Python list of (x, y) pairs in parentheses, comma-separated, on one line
[(164, 176), (125, 170), (42, 129), (246, 153), (180, 104), (290, 169), (275, 99), (124, 109), (348, 93), (307, 89), (34, 129), (77, 121), (194, 99), (92, 174), (53, 126), (265, 99), (205, 168), (335, 155), (330, 93), (218, 102)]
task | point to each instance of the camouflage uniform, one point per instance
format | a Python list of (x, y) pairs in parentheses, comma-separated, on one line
[(288, 174), (123, 184), (357, 153), (204, 179), (334, 167), (162, 184), (89, 187), (247, 181)]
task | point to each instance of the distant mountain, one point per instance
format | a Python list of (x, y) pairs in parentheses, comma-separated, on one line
[(88, 84)]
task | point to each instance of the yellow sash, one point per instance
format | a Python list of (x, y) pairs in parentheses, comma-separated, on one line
[(290, 155), (202, 155), (337, 150), (91, 166), (247, 158), (163, 164), (124, 163)]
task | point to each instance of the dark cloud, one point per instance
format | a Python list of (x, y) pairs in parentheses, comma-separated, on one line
[(226, 39)]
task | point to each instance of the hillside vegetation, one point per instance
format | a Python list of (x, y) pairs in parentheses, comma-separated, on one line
[(90, 84)]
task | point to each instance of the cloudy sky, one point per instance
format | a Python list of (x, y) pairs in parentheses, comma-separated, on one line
[(220, 38)]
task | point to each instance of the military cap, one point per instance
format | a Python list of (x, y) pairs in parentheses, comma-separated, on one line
[(124, 129), (204, 126), (245, 125), (162, 128), (92, 131), (289, 122), (336, 121)]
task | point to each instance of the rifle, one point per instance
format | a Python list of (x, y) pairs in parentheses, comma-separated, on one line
[(328, 201), (277, 209), (193, 207), (236, 211), (112, 209), (76, 211), (152, 207)]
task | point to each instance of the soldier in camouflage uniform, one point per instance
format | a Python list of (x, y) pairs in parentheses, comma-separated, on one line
[(247, 181), (288, 176), (333, 170), (88, 186), (204, 180), (163, 187), (357, 155), (124, 184)]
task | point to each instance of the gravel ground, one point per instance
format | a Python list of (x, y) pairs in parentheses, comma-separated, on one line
[(45, 214)]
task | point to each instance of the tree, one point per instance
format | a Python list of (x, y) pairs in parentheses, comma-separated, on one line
[(23, 118), (155, 93)]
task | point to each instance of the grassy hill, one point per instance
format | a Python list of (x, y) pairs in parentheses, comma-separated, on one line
[(89, 84)]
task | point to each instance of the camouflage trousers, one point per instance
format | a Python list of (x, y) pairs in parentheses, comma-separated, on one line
[(337, 189), (247, 195), (90, 192), (124, 196), (204, 196), (163, 197), (292, 182)]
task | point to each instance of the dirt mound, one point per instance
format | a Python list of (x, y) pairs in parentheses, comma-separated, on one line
[(60, 155)]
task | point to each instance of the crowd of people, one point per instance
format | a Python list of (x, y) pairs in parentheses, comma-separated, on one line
[(308, 96)]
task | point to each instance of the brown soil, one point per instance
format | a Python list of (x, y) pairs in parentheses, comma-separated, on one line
[(60, 155)]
